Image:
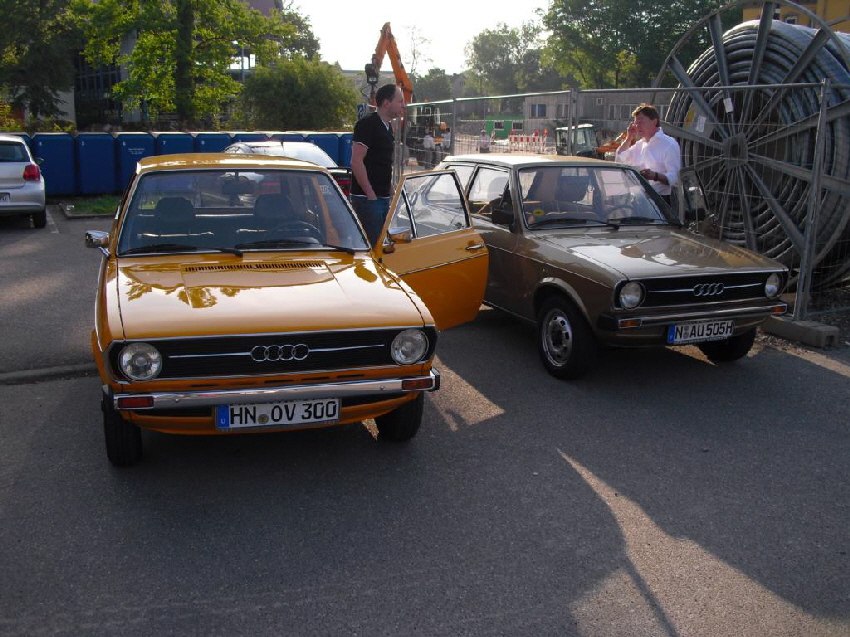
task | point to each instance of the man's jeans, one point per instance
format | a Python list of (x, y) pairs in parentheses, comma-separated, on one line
[(372, 214)]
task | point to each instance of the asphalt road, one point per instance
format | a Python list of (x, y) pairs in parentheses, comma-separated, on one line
[(660, 496)]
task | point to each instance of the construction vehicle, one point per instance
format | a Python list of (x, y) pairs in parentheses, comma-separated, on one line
[(584, 141), (387, 45)]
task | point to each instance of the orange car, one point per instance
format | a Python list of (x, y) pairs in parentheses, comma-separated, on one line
[(239, 294)]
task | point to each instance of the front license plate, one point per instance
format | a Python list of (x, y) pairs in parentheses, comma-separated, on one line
[(5, 196), (283, 414), (698, 332)]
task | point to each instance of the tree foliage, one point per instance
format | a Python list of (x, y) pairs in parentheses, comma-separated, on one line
[(435, 85), (299, 94), (36, 54), (620, 43), (177, 52)]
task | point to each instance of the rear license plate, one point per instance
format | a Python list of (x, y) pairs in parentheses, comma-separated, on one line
[(283, 414), (698, 332), (5, 196)]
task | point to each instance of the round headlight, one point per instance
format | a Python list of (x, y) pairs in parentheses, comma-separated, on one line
[(140, 361), (773, 286), (631, 295), (409, 347)]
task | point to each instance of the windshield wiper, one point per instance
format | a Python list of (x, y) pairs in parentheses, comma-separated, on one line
[(567, 221), (270, 243), (179, 247)]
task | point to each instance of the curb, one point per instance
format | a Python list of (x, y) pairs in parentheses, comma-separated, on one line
[(68, 211), (48, 373), (806, 332)]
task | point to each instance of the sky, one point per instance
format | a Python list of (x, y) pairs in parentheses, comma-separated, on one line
[(348, 31)]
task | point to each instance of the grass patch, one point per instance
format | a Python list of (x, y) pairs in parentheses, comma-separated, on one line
[(100, 205)]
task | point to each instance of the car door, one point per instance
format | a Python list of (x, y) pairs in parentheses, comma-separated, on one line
[(428, 240)]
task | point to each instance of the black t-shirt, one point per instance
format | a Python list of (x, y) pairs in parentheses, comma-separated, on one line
[(378, 139)]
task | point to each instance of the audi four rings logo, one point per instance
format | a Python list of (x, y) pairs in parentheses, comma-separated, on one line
[(280, 352), (708, 289)]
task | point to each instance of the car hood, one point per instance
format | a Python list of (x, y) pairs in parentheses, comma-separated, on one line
[(200, 297), (650, 252)]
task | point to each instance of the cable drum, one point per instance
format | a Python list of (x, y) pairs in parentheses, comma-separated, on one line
[(753, 147)]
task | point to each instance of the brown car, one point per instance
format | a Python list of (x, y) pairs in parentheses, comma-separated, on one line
[(590, 253)]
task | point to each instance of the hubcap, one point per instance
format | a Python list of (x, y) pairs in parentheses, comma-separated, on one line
[(557, 338)]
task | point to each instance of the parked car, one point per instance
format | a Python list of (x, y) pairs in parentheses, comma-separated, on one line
[(306, 151), (587, 251), (21, 182), (225, 305)]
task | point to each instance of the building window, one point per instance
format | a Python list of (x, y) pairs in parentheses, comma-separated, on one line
[(538, 110), (791, 19)]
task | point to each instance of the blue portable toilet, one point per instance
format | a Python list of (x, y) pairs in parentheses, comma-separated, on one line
[(328, 142), (242, 136), (212, 142), (345, 143), (169, 143), (58, 167), (96, 166), (129, 149)]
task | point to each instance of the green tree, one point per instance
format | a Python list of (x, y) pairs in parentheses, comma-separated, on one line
[(177, 52), (37, 44), (507, 60), (298, 93), (435, 85), (619, 43)]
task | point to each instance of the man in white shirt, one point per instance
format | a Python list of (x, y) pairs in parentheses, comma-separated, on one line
[(656, 154), (428, 145)]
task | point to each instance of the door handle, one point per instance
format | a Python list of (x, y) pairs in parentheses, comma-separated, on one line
[(475, 246)]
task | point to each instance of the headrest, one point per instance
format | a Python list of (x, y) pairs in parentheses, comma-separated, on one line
[(176, 212), (571, 188), (275, 208)]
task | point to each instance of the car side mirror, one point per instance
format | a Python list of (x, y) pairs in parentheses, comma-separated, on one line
[(400, 236), (38, 161), (98, 239)]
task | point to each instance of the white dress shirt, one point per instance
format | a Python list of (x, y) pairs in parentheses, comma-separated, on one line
[(660, 154)]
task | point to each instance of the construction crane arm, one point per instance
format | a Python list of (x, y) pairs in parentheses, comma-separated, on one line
[(387, 45)]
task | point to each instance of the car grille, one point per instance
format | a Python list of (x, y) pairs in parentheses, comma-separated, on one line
[(703, 289), (271, 354)]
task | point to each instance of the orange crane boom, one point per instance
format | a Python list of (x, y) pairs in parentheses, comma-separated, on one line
[(387, 44)]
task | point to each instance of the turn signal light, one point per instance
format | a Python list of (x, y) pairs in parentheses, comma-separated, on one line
[(417, 383), (135, 402), (779, 309), (629, 323), (32, 172)]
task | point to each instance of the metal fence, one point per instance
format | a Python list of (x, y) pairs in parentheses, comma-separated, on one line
[(771, 162)]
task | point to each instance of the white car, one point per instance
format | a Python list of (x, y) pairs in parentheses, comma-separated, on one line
[(21, 183)]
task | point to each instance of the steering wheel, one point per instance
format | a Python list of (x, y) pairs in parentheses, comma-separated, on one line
[(296, 229)]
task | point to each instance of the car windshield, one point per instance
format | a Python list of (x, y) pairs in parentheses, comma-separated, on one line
[(570, 196), (237, 211)]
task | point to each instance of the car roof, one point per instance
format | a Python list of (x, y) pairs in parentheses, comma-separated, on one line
[(4, 137), (191, 161), (511, 160)]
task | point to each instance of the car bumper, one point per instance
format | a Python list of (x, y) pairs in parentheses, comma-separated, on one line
[(24, 200), (651, 328), (380, 389)]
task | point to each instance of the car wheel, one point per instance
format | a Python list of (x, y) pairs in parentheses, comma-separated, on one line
[(401, 424), (123, 439), (39, 219), (730, 349), (564, 340)]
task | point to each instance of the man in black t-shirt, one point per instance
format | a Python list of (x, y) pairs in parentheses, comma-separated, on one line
[(372, 161)]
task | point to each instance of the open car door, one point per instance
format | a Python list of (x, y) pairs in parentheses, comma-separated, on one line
[(428, 240)]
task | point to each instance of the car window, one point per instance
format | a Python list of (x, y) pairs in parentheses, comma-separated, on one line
[(265, 209), (13, 151), (430, 205), (464, 172), (487, 187), (570, 196)]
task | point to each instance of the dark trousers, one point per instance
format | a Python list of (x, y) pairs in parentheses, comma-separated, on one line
[(372, 214)]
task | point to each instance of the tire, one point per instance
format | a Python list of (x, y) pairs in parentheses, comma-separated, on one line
[(401, 424), (730, 349), (39, 219), (564, 340), (123, 439)]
